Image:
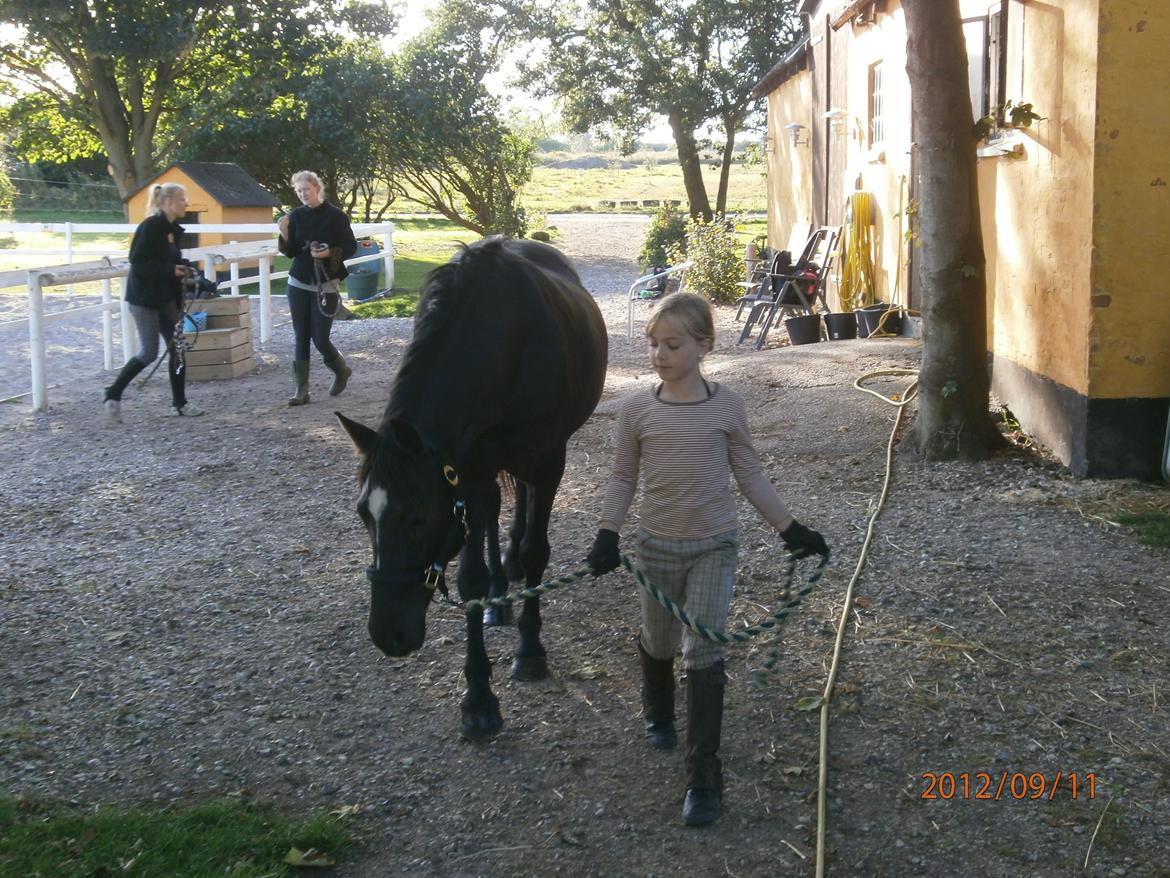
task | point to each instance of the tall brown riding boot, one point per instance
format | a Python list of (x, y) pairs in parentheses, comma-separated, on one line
[(704, 799), (658, 700)]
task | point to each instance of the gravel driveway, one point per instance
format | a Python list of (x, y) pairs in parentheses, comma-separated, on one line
[(184, 617)]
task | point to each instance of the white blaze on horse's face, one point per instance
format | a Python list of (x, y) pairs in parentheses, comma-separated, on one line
[(374, 501), (378, 500)]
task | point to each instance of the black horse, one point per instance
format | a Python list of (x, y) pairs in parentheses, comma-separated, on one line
[(507, 360)]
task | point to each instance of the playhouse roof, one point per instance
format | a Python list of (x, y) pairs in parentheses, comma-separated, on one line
[(226, 182)]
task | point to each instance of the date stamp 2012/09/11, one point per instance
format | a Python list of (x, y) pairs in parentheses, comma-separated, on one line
[(990, 786)]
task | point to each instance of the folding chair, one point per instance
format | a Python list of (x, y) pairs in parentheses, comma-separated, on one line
[(758, 287), (796, 291), (803, 288)]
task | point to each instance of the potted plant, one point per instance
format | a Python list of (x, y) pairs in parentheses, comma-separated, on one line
[(1008, 115)]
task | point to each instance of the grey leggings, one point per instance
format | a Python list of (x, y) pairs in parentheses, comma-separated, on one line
[(153, 323)]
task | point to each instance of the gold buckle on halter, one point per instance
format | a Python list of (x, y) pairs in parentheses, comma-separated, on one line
[(450, 475), (433, 578)]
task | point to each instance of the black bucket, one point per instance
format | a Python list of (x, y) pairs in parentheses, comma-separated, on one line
[(804, 329), (870, 316), (840, 325)]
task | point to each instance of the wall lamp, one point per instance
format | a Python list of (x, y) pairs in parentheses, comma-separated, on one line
[(797, 133), (837, 119)]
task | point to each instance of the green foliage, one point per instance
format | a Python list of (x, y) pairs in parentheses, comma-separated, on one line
[(218, 838), (1021, 115), (454, 152), (6, 191), (666, 236), (42, 132), (305, 121), (616, 65), (142, 77), (63, 187), (1009, 115), (715, 250)]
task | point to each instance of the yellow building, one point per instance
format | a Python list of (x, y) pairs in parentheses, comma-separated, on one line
[(1077, 243), (218, 193)]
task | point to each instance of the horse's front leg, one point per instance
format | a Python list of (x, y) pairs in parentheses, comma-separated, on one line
[(480, 706), (502, 614), (531, 661)]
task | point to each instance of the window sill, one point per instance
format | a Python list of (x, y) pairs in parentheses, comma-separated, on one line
[(1001, 142), (876, 155)]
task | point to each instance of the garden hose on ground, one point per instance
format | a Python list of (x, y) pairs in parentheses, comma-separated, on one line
[(856, 284), (901, 402)]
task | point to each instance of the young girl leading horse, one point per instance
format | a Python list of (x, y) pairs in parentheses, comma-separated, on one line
[(686, 437)]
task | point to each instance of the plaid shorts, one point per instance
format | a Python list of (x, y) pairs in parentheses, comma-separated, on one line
[(699, 576)]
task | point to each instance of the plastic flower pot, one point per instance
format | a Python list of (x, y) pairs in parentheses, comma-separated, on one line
[(804, 329)]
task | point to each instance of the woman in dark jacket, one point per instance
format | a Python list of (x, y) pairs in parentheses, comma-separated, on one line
[(154, 292), (317, 236)]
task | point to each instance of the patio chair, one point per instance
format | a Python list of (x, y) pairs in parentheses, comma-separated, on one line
[(650, 287), (758, 287), (796, 291)]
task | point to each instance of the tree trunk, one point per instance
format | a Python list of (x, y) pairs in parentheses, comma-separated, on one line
[(729, 126), (692, 168), (954, 385)]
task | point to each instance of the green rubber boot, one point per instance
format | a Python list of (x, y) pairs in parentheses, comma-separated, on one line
[(301, 374), (341, 373)]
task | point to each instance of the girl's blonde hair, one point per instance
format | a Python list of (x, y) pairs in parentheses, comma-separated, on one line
[(690, 312), (310, 176), (161, 193)]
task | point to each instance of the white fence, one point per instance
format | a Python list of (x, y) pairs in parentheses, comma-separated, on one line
[(111, 268)]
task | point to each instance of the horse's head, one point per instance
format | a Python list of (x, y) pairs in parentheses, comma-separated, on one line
[(408, 505)]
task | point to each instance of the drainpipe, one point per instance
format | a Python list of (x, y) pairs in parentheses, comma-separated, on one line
[(828, 122)]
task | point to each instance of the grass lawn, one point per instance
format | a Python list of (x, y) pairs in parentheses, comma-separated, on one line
[(1151, 528), (560, 190), (227, 837)]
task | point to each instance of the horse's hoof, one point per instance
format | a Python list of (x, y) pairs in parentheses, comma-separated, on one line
[(497, 617), (529, 668), (481, 726)]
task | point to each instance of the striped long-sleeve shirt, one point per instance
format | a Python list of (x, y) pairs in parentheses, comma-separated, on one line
[(686, 454)]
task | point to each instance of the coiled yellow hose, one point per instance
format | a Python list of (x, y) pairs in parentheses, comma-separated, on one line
[(856, 284)]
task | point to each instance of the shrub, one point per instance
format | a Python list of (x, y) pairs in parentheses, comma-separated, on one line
[(666, 236), (5, 191), (716, 253)]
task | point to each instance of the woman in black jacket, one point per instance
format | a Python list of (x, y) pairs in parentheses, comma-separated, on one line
[(154, 292), (317, 236)]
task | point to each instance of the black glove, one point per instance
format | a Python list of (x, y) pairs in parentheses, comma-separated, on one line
[(802, 541), (604, 557)]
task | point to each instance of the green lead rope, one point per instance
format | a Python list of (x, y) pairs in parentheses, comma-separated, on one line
[(791, 601)]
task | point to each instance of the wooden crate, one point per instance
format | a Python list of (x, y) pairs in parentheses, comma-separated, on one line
[(224, 348)]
